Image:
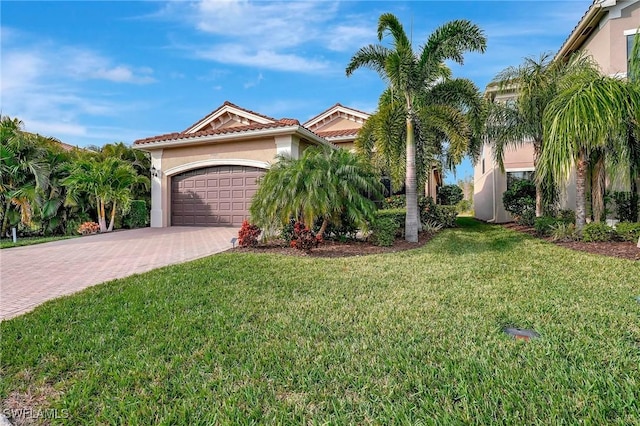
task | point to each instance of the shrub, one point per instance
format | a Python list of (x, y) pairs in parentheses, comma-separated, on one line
[(303, 238), (449, 195), (394, 202), (563, 231), (545, 225), (626, 206), (520, 201), (397, 215), (88, 228), (597, 232), (464, 206), (248, 235), (628, 231), (138, 215), (431, 227), (434, 213), (567, 215), (384, 229)]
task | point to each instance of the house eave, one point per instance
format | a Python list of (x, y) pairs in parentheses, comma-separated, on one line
[(583, 30)]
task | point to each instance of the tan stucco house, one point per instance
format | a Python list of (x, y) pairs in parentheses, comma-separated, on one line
[(606, 33), (207, 174)]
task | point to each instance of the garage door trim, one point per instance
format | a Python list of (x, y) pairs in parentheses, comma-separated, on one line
[(215, 162)]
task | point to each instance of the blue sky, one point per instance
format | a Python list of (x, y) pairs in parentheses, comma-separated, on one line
[(94, 72)]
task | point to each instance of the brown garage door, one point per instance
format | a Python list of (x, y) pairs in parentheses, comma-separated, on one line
[(213, 196)]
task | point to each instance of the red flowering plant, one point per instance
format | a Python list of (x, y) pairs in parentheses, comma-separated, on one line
[(248, 235), (88, 228), (304, 238)]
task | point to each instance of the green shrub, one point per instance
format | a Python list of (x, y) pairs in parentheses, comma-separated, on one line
[(563, 231), (384, 230), (397, 215), (431, 212), (597, 232), (464, 206), (449, 195), (628, 231), (626, 206), (138, 215), (567, 216), (520, 201), (546, 224), (394, 202)]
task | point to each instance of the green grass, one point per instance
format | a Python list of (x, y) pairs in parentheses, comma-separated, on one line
[(27, 241), (406, 338)]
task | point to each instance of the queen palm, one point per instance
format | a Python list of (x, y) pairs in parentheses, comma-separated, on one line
[(589, 116), (514, 123), (409, 74), (323, 184)]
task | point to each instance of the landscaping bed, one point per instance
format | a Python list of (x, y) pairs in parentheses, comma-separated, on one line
[(332, 249), (620, 249)]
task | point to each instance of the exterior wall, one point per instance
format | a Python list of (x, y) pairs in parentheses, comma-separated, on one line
[(339, 124), (348, 145), (519, 158), (257, 150), (608, 44)]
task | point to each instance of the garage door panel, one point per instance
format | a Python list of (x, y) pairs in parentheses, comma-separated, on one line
[(213, 196)]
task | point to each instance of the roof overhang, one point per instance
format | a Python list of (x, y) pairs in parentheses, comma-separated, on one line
[(185, 140), (589, 22)]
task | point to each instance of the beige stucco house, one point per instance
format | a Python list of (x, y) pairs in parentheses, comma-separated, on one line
[(606, 33)]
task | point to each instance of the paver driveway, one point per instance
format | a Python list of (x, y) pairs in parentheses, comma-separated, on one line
[(34, 274)]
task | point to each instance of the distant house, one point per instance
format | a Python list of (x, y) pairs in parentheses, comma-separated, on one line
[(606, 33), (207, 174)]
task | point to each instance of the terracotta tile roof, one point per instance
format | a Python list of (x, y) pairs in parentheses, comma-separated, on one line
[(230, 104), (211, 132), (337, 133)]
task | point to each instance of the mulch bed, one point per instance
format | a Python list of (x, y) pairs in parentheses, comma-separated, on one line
[(331, 249), (621, 249)]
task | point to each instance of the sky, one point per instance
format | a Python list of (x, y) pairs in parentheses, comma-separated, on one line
[(95, 72)]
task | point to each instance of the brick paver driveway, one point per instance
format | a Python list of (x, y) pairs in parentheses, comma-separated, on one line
[(34, 274)]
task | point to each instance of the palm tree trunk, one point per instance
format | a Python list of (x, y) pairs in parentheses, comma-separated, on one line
[(597, 188), (539, 205), (102, 221), (113, 217), (581, 173), (411, 220), (5, 217), (323, 227)]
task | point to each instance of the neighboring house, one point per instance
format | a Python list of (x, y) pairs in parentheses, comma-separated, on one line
[(207, 174), (606, 33)]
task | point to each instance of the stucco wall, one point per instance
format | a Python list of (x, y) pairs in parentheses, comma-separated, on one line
[(339, 124), (608, 44), (258, 150)]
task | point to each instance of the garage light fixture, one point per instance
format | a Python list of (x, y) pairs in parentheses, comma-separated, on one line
[(154, 172)]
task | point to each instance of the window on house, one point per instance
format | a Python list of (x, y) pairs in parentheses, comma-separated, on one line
[(516, 176), (630, 40)]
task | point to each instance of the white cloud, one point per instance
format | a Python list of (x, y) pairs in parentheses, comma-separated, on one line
[(47, 85), (271, 35), (255, 82)]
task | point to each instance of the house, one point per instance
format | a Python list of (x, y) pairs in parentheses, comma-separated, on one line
[(606, 33)]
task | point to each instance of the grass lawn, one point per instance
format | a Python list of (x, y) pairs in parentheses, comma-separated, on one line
[(8, 242), (406, 338)]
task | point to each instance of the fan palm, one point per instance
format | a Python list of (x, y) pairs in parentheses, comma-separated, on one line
[(324, 183), (409, 74)]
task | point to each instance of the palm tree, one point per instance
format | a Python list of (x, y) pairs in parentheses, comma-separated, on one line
[(409, 74), (324, 183), (23, 171), (518, 122), (108, 182), (589, 115)]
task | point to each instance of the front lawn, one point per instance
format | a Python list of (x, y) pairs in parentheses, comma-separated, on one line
[(413, 337)]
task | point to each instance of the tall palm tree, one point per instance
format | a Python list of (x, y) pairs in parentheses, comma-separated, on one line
[(589, 115), (514, 123), (408, 73), (324, 183)]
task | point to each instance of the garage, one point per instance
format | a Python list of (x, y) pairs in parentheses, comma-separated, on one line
[(213, 196)]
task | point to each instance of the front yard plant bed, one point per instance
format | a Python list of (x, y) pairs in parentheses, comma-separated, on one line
[(620, 249), (331, 248), (412, 337)]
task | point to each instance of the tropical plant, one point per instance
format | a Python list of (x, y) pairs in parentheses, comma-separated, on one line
[(449, 195), (108, 182), (520, 201), (23, 171), (324, 183), (589, 116), (423, 96)]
